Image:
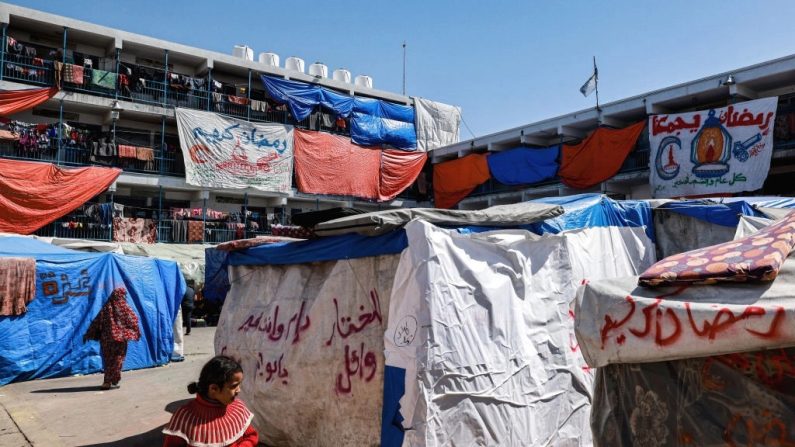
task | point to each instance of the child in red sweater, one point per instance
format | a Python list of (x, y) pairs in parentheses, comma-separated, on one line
[(216, 418)]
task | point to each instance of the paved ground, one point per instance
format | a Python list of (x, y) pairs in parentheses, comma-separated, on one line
[(73, 411)]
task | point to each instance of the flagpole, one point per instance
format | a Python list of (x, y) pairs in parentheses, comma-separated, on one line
[(596, 83)]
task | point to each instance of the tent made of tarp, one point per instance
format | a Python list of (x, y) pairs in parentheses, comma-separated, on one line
[(71, 288)]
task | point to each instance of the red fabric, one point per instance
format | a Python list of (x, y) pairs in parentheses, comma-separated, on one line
[(453, 180), (35, 194), (399, 169), (598, 157), (330, 164), (13, 101), (116, 321), (17, 284), (113, 354), (201, 422)]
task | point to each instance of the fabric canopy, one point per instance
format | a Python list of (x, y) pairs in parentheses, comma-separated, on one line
[(13, 101), (437, 124), (302, 98), (523, 166), (376, 122), (453, 180), (330, 164), (598, 157), (35, 194)]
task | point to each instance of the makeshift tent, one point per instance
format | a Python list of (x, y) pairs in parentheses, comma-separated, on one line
[(303, 98), (455, 179), (34, 194), (310, 340), (14, 101), (436, 123), (690, 365), (376, 122), (71, 288), (598, 157), (524, 166)]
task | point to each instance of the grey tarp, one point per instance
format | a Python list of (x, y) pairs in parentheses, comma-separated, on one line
[(678, 233), (190, 257), (380, 222)]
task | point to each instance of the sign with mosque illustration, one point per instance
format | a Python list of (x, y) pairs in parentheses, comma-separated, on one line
[(722, 150)]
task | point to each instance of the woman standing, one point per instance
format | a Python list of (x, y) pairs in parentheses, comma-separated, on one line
[(115, 325)]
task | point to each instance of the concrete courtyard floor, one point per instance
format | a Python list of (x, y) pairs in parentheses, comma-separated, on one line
[(73, 411)]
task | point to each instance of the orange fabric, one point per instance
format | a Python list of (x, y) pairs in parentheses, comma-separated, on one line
[(13, 101), (598, 157), (330, 164), (399, 169), (453, 180), (35, 194)]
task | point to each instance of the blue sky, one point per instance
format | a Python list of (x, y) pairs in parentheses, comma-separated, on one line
[(506, 63)]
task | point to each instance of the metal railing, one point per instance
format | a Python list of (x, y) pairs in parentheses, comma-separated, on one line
[(30, 70)]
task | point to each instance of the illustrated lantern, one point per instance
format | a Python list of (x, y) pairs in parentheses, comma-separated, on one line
[(711, 149)]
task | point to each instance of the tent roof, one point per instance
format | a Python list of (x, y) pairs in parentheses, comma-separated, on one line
[(32, 248)]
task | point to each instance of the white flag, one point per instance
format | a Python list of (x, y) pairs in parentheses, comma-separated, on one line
[(589, 86)]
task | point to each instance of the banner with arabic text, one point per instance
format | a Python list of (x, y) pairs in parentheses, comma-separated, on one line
[(721, 150), (222, 152)]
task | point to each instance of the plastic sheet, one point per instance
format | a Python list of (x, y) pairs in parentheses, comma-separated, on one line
[(303, 98), (524, 166), (376, 122)]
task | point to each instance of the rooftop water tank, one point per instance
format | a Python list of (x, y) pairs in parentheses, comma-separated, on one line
[(319, 70), (271, 59), (243, 52), (342, 75), (363, 81), (294, 63)]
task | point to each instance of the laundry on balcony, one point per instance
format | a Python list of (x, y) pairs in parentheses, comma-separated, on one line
[(104, 79), (73, 74)]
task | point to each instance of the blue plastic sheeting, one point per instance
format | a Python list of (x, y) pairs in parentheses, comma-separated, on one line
[(302, 98), (763, 202), (595, 210), (391, 420), (332, 248), (524, 166), (376, 122), (71, 288), (216, 275), (725, 214)]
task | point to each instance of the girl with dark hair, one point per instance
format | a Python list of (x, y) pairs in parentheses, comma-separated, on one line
[(216, 418)]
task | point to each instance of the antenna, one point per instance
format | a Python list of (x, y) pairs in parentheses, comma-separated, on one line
[(404, 68)]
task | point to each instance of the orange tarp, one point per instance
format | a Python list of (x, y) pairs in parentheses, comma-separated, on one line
[(453, 180), (35, 194), (331, 164), (598, 157), (13, 101)]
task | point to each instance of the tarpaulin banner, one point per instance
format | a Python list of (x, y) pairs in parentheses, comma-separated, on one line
[(375, 122), (399, 169), (453, 180), (33, 194), (303, 98), (222, 152), (524, 166), (312, 347), (598, 157), (722, 150), (437, 124), (71, 288), (13, 101)]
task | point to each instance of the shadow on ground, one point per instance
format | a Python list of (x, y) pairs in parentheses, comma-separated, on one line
[(74, 389), (151, 438)]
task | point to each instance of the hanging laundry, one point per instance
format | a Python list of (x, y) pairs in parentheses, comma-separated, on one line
[(259, 106), (133, 229), (127, 151), (58, 72), (17, 285), (73, 74), (104, 79), (195, 231), (598, 157), (237, 100), (453, 180)]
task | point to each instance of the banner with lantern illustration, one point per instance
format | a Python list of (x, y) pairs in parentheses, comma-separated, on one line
[(223, 152), (721, 150)]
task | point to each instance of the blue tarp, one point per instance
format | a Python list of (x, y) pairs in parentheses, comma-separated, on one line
[(725, 214), (303, 98), (71, 288), (376, 122), (391, 420), (216, 275), (524, 166)]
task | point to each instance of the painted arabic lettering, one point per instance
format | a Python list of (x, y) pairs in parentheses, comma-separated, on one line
[(273, 329), (68, 288), (361, 363), (345, 325), (729, 118), (271, 370), (246, 136)]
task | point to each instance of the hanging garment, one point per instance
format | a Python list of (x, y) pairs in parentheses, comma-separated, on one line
[(73, 74), (237, 100), (453, 180), (17, 285), (13, 101), (179, 231), (195, 231), (104, 79), (127, 151), (598, 157), (133, 229), (259, 106)]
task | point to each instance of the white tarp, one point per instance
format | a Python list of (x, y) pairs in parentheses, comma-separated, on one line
[(189, 257), (749, 225), (310, 338), (620, 322), (436, 124), (677, 233), (223, 152), (483, 326), (720, 150)]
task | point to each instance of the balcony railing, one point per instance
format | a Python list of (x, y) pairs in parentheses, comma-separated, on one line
[(29, 70)]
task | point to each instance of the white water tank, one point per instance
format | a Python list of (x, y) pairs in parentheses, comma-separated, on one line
[(318, 70), (363, 81), (243, 52), (342, 75), (271, 59), (294, 63)]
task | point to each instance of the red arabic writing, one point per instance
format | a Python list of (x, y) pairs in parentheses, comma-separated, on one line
[(271, 370), (345, 325), (359, 363), (729, 118), (274, 330)]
